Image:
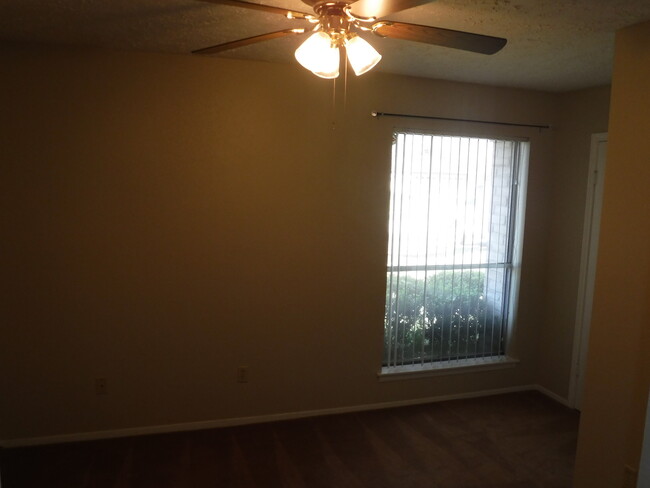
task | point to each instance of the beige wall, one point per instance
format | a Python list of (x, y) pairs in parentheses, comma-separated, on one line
[(169, 218), (618, 369), (581, 114)]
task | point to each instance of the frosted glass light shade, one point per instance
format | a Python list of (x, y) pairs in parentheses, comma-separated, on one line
[(319, 56), (363, 57)]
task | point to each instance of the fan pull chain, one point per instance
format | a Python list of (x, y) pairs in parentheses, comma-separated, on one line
[(345, 82), (345, 90), (334, 104)]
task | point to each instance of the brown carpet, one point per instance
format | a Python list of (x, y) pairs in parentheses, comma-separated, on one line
[(519, 440)]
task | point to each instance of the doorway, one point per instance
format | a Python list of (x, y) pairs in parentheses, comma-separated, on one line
[(588, 263)]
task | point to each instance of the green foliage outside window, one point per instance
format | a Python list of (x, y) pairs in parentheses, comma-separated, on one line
[(444, 316)]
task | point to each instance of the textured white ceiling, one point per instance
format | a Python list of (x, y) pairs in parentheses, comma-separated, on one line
[(552, 45)]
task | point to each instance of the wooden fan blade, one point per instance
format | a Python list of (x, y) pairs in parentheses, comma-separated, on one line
[(291, 14), (245, 42), (381, 8), (440, 37)]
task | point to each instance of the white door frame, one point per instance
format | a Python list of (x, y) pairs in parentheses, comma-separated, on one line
[(644, 468), (588, 260)]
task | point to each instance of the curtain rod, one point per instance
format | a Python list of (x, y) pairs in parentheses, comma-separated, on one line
[(411, 116)]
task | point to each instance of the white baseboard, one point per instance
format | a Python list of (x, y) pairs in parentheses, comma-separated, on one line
[(231, 422), (554, 396)]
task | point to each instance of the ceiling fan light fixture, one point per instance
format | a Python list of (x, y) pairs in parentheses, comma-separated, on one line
[(363, 57), (336, 28), (319, 55)]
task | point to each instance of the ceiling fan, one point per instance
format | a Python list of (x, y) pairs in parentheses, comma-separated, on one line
[(335, 23)]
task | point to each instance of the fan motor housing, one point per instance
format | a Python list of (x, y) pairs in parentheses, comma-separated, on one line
[(333, 19)]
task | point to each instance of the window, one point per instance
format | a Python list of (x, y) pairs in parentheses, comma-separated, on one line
[(454, 245)]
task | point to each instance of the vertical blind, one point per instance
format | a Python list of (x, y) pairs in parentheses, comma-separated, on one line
[(450, 250)]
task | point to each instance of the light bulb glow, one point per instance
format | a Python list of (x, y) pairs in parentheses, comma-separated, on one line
[(363, 57), (319, 56)]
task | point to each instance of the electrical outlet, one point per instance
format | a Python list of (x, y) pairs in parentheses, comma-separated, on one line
[(629, 477), (242, 374), (101, 386)]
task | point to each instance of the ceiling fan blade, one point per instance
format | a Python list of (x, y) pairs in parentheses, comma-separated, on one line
[(291, 14), (438, 36), (381, 8), (245, 42)]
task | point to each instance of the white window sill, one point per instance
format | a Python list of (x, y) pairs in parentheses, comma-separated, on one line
[(446, 368)]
